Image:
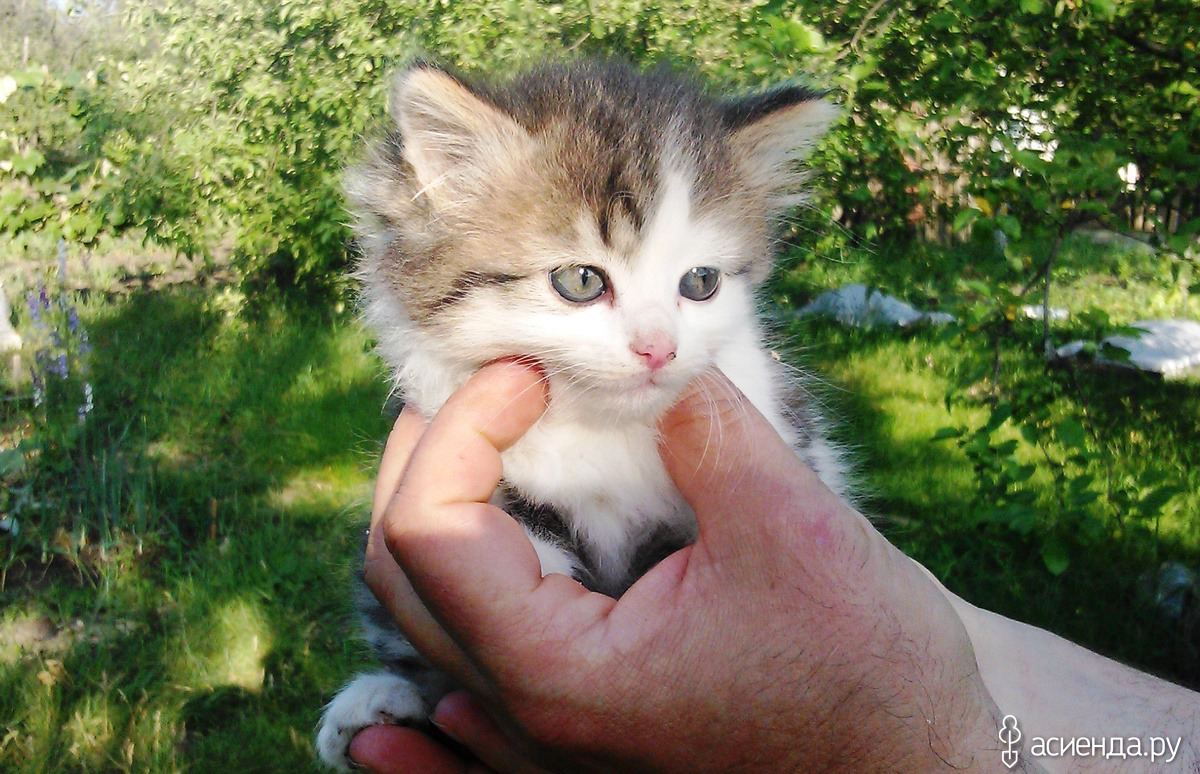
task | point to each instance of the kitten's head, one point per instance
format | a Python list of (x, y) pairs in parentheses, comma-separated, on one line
[(611, 224)]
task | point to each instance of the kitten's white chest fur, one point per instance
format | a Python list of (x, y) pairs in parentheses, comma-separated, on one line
[(608, 480)]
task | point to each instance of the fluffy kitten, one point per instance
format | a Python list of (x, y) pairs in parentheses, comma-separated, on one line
[(612, 224)]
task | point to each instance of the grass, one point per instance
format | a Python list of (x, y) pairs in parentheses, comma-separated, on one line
[(231, 456), (889, 387), (208, 636)]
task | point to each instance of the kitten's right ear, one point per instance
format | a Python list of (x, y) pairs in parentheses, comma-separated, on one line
[(452, 137), (770, 131)]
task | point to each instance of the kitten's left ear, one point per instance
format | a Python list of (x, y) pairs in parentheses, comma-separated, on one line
[(770, 131), (454, 137)]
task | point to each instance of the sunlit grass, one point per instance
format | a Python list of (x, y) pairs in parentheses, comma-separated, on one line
[(226, 647), (210, 636), (891, 386)]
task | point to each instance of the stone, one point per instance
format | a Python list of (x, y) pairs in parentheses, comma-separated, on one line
[(1167, 347), (860, 307)]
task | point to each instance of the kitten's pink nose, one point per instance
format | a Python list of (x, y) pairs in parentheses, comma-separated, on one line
[(656, 349)]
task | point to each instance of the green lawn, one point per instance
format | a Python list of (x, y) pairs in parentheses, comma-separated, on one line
[(248, 448), (226, 476), (889, 388)]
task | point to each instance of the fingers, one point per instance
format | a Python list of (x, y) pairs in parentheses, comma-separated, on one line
[(730, 464), (380, 570), (465, 720), (407, 431), (399, 750), (470, 563), (488, 414)]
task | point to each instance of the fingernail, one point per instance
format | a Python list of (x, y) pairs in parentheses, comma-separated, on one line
[(443, 714)]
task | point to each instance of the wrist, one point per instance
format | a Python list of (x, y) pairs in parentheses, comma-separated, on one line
[(1057, 692)]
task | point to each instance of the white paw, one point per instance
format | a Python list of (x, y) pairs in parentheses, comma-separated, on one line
[(367, 701)]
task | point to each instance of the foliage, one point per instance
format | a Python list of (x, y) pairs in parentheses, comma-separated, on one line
[(928, 497), (955, 103), (229, 124), (275, 95), (39, 512), (1042, 465), (75, 165)]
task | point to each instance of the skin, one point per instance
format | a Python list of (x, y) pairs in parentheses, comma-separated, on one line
[(790, 637)]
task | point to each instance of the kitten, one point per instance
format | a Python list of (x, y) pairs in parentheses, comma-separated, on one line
[(614, 225)]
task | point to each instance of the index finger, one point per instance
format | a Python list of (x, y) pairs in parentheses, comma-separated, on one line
[(401, 442), (470, 562), (380, 571)]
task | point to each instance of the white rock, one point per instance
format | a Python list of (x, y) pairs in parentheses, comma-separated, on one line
[(858, 306), (1167, 347), (1034, 312)]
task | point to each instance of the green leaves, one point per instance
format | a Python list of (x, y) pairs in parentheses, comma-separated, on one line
[(1054, 554), (11, 461), (30, 78), (26, 163), (1071, 433)]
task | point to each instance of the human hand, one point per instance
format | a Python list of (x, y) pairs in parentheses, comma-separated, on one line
[(790, 636)]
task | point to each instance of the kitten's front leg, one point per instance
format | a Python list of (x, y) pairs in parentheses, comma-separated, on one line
[(411, 687), (368, 700), (403, 695)]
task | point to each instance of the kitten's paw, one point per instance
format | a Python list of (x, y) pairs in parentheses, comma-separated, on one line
[(367, 701)]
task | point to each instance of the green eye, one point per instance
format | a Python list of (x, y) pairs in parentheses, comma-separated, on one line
[(579, 284), (700, 283)]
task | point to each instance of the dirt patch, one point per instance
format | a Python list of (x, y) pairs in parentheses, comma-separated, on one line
[(30, 634), (118, 268)]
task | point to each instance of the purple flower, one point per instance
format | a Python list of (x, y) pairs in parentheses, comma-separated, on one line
[(59, 367), (35, 309), (72, 319)]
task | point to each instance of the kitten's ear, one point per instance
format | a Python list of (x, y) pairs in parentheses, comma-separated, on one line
[(770, 131), (452, 136)]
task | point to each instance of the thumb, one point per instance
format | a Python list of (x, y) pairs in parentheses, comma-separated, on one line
[(741, 479)]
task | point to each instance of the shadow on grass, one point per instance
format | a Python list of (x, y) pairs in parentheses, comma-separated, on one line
[(255, 441), (888, 388)]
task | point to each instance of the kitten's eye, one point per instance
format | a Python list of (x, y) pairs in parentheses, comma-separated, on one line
[(700, 283), (579, 284)]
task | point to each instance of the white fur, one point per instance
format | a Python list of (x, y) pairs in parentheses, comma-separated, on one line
[(367, 700)]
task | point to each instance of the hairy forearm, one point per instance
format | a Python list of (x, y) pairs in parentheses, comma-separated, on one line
[(1069, 697)]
